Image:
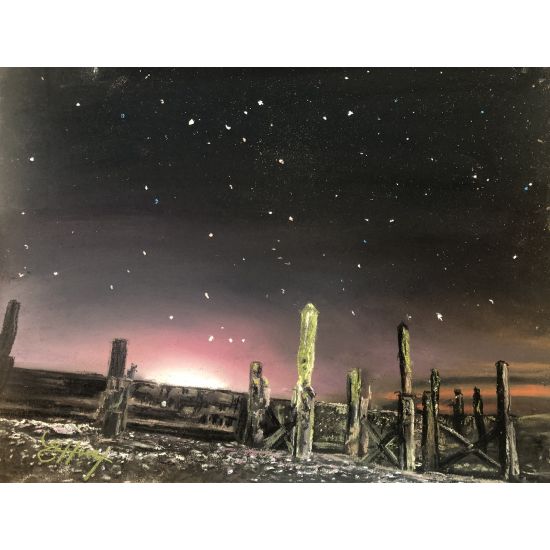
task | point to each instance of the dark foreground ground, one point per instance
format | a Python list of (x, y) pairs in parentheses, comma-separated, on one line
[(68, 452)]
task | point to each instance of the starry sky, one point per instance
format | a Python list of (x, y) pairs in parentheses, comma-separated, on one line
[(196, 211)]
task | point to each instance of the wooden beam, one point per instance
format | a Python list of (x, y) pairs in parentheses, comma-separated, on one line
[(382, 444), (272, 440), (303, 398), (470, 448), (508, 455)]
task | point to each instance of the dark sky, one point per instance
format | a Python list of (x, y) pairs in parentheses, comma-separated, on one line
[(380, 195)]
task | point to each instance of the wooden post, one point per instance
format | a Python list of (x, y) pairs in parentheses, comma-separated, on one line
[(405, 363), (357, 439), (458, 411), (303, 398), (477, 403), (429, 449), (406, 401), (435, 383), (7, 339), (113, 405), (363, 422), (117, 365), (508, 455), (257, 402)]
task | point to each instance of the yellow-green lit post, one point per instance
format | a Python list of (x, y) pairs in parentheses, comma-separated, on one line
[(303, 398), (406, 401)]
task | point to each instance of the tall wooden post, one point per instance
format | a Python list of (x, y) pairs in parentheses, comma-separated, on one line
[(357, 439), (303, 398), (7, 339), (366, 397), (429, 450), (458, 411), (113, 405), (406, 401), (257, 402), (477, 405), (508, 455), (435, 383), (405, 363)]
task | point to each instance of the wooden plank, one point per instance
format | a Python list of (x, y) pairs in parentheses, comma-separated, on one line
[(383, 449), (469, 447), (303, 398), (382, 444), (507, 436), (272, 440)]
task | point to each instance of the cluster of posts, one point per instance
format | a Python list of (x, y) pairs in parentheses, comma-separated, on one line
[(298, 432), (358, 429)]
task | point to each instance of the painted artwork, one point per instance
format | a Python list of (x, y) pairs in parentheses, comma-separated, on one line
[(274, 275)]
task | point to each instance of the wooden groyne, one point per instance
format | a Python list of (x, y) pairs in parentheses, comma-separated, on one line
[(415, 436)]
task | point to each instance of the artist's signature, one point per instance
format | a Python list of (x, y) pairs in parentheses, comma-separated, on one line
[(57, 451)]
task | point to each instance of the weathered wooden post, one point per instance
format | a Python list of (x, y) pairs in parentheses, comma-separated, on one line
[(429, 449), (406, 401), (257, 402), (303, 398), (113, 405), (477, 405), (435, 384), (7, 339), (508, 455), (366, 397), (357, 439), (131, 374), (458, 411)]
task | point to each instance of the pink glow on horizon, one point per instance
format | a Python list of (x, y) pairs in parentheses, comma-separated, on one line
[(165, 353)]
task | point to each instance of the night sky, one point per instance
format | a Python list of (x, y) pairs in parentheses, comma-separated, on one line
[(196, 211)]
